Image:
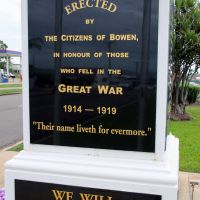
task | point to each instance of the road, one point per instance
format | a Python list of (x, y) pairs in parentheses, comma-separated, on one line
[(10, 119)]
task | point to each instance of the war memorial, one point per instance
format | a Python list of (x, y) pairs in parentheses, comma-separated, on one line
[(95, 98)]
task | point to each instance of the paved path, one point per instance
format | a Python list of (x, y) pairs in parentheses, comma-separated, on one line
[(10, 119), (4, 157), (185, 192)]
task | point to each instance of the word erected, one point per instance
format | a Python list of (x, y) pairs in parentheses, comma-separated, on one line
[(81, 4)]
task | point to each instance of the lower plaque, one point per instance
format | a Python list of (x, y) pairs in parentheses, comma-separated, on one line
[(44, 191)]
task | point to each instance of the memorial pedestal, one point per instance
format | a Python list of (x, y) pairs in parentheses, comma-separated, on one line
[(110, 174), (95, 116)]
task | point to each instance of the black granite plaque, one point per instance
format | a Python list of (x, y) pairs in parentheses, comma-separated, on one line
[(44, 191), (93, 73)]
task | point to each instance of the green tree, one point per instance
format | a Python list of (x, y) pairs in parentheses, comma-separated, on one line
[(3, 46), (185, 58)]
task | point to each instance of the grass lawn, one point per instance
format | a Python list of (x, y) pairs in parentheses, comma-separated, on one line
[(17, 148), (188, 133), (10, 85), (10, 91)]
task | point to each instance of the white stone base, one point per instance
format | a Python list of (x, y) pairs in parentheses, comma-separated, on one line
[(138, 176)]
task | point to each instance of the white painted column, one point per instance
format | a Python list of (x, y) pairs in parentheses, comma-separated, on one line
[(20, 71), (7, 65), (20, 62)]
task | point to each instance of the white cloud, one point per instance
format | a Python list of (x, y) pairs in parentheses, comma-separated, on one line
[(10, 23)]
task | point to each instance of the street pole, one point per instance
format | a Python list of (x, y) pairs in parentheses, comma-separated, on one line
[(7, 65)]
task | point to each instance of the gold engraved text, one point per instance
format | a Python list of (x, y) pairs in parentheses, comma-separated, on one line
[(82, 4)]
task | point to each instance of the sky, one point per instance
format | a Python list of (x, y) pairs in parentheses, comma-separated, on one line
[(10, 23)]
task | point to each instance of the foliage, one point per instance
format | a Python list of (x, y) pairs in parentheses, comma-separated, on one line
[(185, 58), (3, 46), (2, 64), (188, 134), (193, 93), (2, 194)]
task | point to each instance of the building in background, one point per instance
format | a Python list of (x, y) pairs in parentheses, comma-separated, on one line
[(10, 68)]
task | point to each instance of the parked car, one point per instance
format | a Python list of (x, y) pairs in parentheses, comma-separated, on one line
[(10, 75)]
